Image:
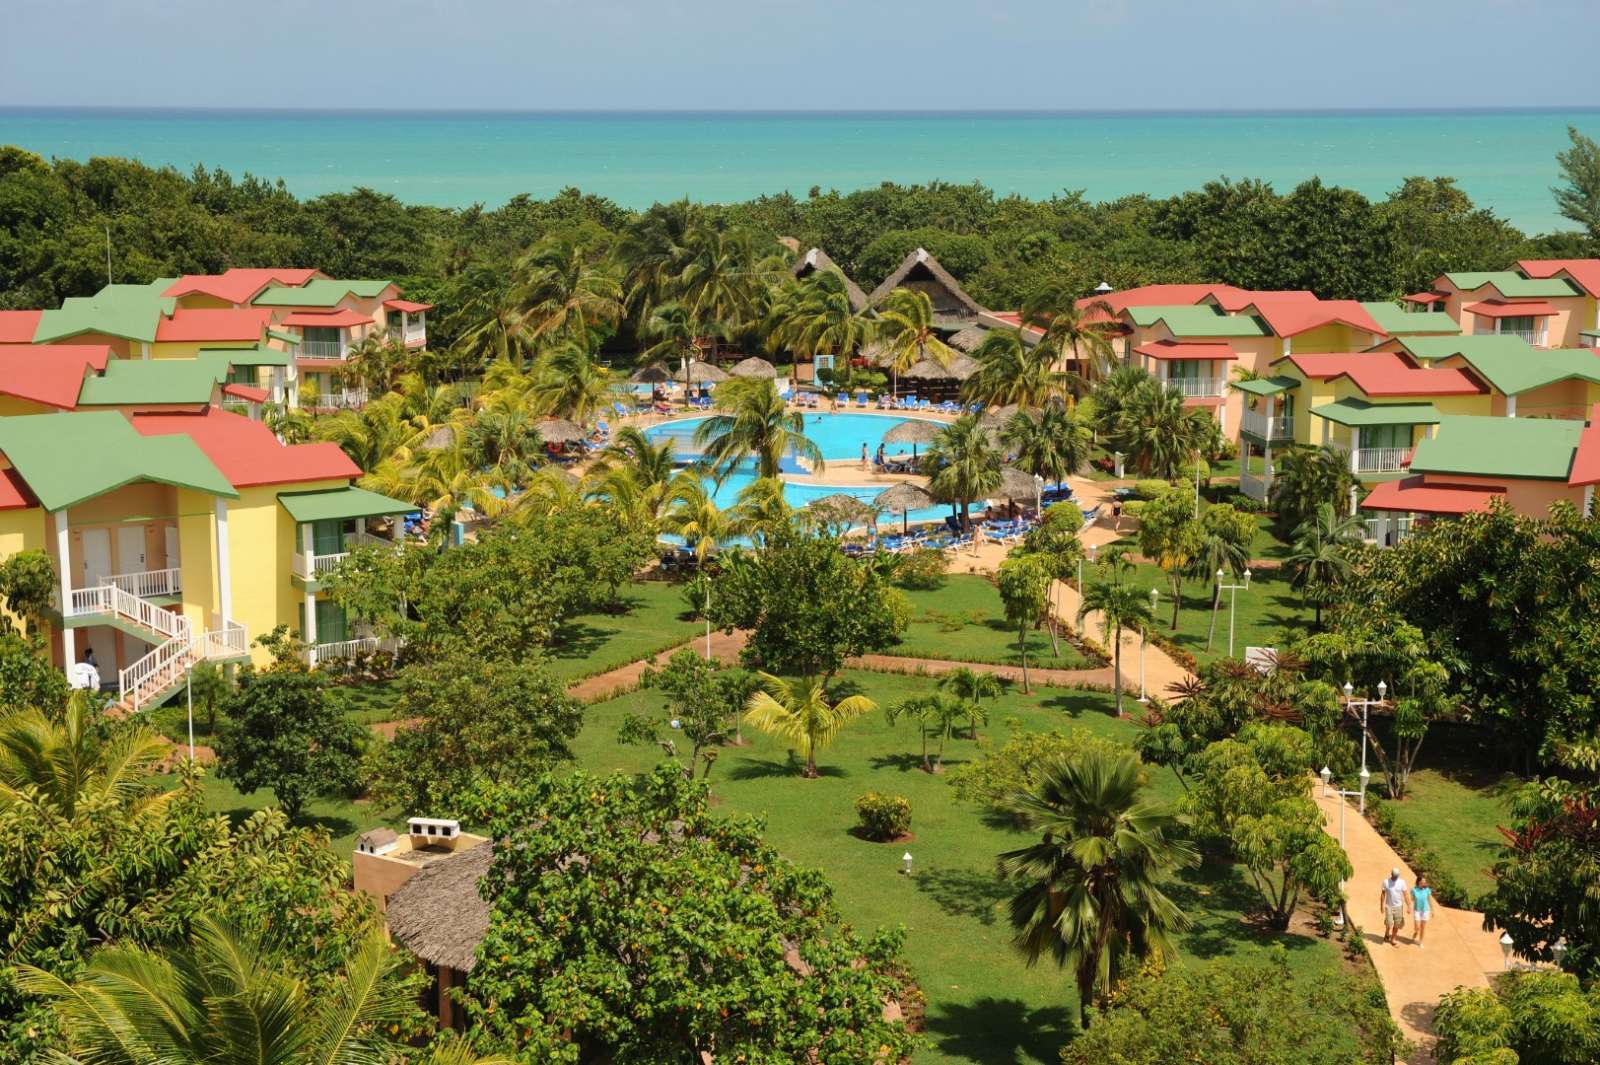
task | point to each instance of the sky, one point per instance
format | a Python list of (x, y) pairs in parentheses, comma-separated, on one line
[(798, 55)]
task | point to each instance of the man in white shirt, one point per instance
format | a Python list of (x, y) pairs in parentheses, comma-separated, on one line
[(1393, 901)]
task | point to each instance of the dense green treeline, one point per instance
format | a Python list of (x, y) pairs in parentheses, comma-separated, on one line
[(56, 217)]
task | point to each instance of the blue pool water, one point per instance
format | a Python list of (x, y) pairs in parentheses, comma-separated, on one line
[(840, 436)]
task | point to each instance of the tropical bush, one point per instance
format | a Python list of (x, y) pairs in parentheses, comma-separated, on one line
[(1151, 489), (883, 817), (1535, 1018), (923, 570), (1016, 766)]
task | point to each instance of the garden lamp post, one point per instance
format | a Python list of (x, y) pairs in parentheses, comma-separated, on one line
[(1155, 596), (1506, 948), (1038, 494), (1327, 774), (1233, 600), (905, 863), (1350, 703)]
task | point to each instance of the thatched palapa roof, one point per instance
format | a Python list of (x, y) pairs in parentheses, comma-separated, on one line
[(561, 431), (922, 270), (438, 914), (996, 417), (653, 374), (841, 508), (903, 497), (817, 259), (702, 373), (913, 431), (1017, 484), (967, 339), (754, 367)]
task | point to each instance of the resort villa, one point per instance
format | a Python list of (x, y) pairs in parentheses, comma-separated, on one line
[(1550, 303)]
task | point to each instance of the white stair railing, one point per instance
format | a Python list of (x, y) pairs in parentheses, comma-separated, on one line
[(149, 583), (230, 641), (137, 683), (111, 599)]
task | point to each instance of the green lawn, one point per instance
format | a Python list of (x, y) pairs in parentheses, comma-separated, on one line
[(984, 1004), (342, 819), (654, 620), (1456, 815), (965, 621)]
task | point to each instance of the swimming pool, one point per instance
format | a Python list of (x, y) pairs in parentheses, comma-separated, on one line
[(840, 436)]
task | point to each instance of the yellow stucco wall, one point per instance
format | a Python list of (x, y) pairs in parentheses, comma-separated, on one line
[(11, 406), (21, 530), (1333, 337), (203, 300), (172, 349), (196, 546)]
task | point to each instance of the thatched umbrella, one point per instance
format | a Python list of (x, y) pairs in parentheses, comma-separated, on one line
[(654, 374), (902, 499), (841, 508), (439, 439), (968, 339), (913, 431), (697, 372), (961, 367), (1018, 484), (754, 367), (561, 431), (997, 418)]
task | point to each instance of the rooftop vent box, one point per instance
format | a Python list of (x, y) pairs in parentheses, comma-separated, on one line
[(376, 841), (433, 829)]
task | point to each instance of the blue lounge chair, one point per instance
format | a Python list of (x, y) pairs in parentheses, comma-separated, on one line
[(862, 398)]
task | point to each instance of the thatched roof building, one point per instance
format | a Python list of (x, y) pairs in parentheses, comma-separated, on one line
[(817, 259), (952, 306), (967, 338), (438, 914), (756, 367)]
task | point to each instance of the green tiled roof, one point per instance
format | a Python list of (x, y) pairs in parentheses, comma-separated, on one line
[(319, 293), (284, 335), (129, 311), (1429, 348), (1266, 386), (1399, 322), (135, 381), (1539, 448), (256, 356), (338, 503), (1512, 284), (1356, 412), (1197, 321), (68, 458), (1516, 372)]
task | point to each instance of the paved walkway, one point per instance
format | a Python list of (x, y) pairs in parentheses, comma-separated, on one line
[(1458, 953), (725, 648), (933, 667)]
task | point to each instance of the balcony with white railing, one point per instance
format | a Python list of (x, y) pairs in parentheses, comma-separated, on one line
[(1386, 532), (310, 566), (345, 650), (149, 584), (412, 334), (110, 600), (231, 640), (1378, 459), (338, 399), (1258, 425), (1197, 387), (322, 349)]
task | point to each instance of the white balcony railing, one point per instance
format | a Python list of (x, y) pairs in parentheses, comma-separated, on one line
[(1253, 486), (155, 582), (1197, 387), (322, 349), (1258, 425), (311, 566), (339, 399), (229, 641), (1532, 337), (414, 335), (317, 654), (1378, 459)]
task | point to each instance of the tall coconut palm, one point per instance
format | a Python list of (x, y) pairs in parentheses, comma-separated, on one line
[(221, 999), (631, 449), (561, 294), (964, 465), (569, 383), (1090, 891), (1308, 477), (1120, 606), (720, 279), (1075, 336), (376, 432), (801, 714), (705, 528), (1051, 444), (491, 327), (64, 763), (506, 439), (905, 334), (761, 510), (677, 334), (760, 426), (1011, 372), (1321, 557), (653, 250), (376, 362), (813, 316)]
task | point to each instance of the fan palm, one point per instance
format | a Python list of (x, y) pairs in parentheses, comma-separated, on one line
[(1010, 372), (1090, 893), (1051, 444), (220, 999), (1120, 606), (801, 714), (569, 383), (1074, 335), (65, 762), (1158, 433), (760, 426), (1320, 559), (905, 333), (964, 465), (561, 294), (935, 715)]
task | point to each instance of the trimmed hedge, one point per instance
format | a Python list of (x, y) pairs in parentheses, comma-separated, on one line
[(883, 817)]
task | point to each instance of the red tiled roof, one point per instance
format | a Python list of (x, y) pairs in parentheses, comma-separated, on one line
[(246, 392), (1413, 493), (1504, 309), (18, 327), (51, 374), (14, 493), (238, 285), (1584, 272), (1586, 459), (1291, 313), (246, 451), (340, 319), (1172, 350), (409, 306), (1385, 373), (207, 325), (1156, 296), (1425, 297)]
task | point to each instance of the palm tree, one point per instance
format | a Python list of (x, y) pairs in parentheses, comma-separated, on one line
[(1075, 336), (64, 762), (973, 688), (1308, 477), (676, 334), (1321, 557), (1051, 444), (722, 277), (1120, 606), (1216, 554), (1158, 433), (905, 334), (221, 999), (935, 715), (653, 251), (760, 426), (813, 316), (208, 685), (800, 714), (1090, 893), (560, 294), (704, 527), (761, 510), (1112, 397), (292, 426), (964, 465), (505, 436), (1010, 372), (569, 383)]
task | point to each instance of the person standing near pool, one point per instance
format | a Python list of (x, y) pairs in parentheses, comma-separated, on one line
[(1421, 908), (866, 463), (1392, 900)]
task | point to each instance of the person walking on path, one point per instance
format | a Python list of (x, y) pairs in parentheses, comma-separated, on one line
[(1392, 899), (1421, 908)]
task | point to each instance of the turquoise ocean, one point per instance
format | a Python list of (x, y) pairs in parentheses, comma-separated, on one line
[(1504, 159)]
